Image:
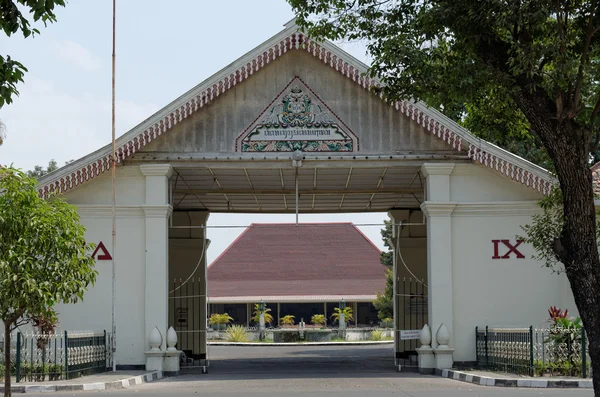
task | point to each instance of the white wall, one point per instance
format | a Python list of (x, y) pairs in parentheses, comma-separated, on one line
[(93, 201), (496, 292)]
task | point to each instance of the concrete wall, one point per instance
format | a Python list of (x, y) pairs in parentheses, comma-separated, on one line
[(215, 128), (94, 313), (496, 292)]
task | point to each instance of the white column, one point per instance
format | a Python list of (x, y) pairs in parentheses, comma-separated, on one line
[(438, 208), (157, 211)]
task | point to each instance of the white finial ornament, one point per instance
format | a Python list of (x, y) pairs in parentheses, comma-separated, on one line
[(155, 340), (171, 339)]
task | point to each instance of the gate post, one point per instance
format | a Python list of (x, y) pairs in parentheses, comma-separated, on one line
[(438, 209), (157, 211), (200, 218)]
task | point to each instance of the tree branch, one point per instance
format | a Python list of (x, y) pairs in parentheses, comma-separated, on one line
[(574, 105)]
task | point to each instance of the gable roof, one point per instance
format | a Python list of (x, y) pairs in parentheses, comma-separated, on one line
[(309, 260), (291, 39)]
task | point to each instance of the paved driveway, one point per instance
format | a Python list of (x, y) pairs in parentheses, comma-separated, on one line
[(334, 371)]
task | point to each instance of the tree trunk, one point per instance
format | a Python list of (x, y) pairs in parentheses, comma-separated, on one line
[(7, 392), (577, 247)]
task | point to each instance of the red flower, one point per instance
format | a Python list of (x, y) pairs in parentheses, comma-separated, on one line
[(556, 313)]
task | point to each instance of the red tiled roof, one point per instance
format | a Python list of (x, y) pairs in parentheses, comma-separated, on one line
[(309, 259), (596, 177)]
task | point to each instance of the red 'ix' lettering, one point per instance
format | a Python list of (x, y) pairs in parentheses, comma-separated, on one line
[(512, 249)]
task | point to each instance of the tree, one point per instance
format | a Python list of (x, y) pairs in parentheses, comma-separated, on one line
[(44, 259), (387, 257), (384, 303), (39, 171), (12, 21), (542, 55)]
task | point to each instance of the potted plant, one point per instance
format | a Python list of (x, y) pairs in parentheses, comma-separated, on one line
[(256, 315), (219, 320), (318, 319), (347, 314), (287, 320)]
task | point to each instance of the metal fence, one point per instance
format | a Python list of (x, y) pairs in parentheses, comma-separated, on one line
[(534, 352), (412, 313), (65, 355)]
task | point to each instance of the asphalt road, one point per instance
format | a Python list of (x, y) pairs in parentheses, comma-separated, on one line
[(334, 371)]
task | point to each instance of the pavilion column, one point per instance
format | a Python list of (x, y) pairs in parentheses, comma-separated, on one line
[(199, 218), (157, 211), (438, 209)]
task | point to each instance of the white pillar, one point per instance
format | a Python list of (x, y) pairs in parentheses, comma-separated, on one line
[(438, 208), (157, 211)]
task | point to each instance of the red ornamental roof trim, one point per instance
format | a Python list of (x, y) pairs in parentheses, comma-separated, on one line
[(293, 41)]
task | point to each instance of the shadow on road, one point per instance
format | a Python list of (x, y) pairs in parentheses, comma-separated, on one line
[(301, 362)]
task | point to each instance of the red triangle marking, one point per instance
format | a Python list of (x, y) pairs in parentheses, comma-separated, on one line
[(104, 256)]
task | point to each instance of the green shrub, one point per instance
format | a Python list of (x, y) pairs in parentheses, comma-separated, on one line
[(287, 320), (1, 371), (217, 318), (54, 371), (256, 315), (236, 333), (377, 335), (318, 319)]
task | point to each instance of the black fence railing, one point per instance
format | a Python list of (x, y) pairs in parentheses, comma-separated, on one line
[(64, 355), (533, 352), (412, 311)]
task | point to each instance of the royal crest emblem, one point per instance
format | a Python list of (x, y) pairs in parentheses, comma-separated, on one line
[(297, 120)]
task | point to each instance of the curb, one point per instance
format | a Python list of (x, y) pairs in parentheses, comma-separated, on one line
[(116, 384), (358, 343), (515, 382)]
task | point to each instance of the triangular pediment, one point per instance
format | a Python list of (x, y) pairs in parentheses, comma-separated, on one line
[(422, 129), (297, 119)]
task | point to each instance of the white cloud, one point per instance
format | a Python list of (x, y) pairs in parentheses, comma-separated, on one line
[(44, 123), (75, 54)]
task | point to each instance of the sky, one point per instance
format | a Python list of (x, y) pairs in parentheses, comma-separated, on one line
[(163, 49)]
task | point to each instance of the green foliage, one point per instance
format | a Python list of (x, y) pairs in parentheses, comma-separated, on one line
[(39, 171), (12, 21), (384, 303), (544, 232), (348, 315), (495, 118), (219, 318), (318, 319), (256, 315), (387, 257), (236, 333), (377, 335), (44, 258), (287, 320)]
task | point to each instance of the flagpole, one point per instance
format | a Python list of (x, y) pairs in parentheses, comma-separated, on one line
[(114, 195)]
